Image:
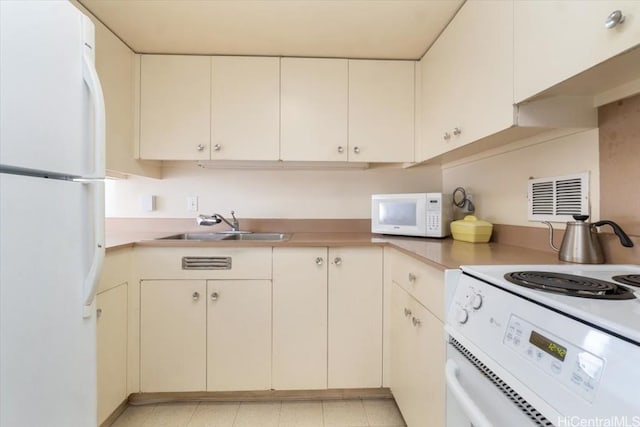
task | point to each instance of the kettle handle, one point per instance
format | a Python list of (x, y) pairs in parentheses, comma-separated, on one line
[(551, 236), (624, 239)]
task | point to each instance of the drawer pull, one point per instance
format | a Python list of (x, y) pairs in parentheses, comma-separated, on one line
[(206, 263)]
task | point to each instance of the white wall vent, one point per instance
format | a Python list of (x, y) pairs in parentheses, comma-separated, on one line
[(557, 199)]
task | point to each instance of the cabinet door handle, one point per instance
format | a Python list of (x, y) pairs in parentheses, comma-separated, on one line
[(412, 277), (457, 131), (200, 147), (407, 312), (99, 313), (616, 17), (337, 260), (319, 261), (416, 321), (340, 149), (447, 136), (356, 150), (214, 296), (217, 147), (196, 296)]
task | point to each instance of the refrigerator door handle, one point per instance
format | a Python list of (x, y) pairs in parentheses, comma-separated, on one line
[(90, 76), (92, 279)]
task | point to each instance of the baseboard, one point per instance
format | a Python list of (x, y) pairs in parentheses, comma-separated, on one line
[(115, 414), (257, 396)]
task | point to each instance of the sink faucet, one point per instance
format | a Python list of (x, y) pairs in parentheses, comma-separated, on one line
[(217, 219)]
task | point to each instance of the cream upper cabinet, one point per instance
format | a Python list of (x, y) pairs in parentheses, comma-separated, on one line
[(173, 328), (314, 109), (175, 95), (299, 318), (355, 317), (555, 40), (245, 108), (467, 79), (381, 111), (238, 335), (111, 324)]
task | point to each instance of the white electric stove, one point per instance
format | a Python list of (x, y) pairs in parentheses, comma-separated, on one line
[(543, 345)]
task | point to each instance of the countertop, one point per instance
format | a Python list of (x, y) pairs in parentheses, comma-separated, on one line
[(440, 253)]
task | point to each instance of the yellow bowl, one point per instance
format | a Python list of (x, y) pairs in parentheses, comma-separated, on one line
[(471, 229)]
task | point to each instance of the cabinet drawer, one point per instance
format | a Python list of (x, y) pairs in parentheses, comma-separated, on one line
[(203, 263), (423, 282)]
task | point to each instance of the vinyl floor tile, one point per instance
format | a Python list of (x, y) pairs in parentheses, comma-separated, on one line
[(330, 413)]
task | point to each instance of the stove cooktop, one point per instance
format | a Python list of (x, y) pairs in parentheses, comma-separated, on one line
[(620, 314)]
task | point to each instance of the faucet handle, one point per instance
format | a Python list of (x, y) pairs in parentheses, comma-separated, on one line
[(233, 215)]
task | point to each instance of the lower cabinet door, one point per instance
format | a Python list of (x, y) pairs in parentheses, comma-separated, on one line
[(111, 327), (238, 335), (355, 317), (299, 318), (173, 335), (417, 361)]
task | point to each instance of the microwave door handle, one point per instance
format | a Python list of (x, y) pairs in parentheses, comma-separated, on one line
[(476, 416)]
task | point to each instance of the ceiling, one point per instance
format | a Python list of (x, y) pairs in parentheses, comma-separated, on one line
[(382, 29)]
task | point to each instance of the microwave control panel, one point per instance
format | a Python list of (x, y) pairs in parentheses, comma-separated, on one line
[(438, 214)]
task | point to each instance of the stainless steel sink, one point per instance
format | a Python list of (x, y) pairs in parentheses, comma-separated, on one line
[(265, 237), (278, 237)]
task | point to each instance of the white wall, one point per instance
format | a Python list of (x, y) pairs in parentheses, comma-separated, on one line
[(498, 179), (266, 193)]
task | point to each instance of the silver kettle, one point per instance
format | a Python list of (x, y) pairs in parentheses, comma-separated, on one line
[(581, 243)]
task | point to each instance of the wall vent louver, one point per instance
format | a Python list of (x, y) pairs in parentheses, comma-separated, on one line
[(557, 199)]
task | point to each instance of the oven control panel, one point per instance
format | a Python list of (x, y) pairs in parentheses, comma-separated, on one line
[(577, 369)]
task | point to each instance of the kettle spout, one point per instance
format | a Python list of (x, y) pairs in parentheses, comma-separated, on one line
[(551, 236)]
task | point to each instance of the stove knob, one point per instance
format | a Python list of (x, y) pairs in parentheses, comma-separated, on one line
[(463, 316), (476, 301)]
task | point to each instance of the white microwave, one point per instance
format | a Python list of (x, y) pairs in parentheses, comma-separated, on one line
[(411, 214)]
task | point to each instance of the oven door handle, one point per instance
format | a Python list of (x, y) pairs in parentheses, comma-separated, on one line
[(477, 418)]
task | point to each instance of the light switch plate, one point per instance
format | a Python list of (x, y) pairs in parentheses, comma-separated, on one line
[(192, 203), (148, 202)]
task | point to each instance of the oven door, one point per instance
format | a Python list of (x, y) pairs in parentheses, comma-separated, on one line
[(477, 397)]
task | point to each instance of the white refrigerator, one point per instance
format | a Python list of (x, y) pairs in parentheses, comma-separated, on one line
[(52, 133)]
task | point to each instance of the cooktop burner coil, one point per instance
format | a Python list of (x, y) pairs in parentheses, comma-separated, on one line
[(570, 285), (628, 279)]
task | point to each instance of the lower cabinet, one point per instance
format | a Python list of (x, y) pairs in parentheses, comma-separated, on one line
[(327, 317), (417, 360), (173, 330), (299, 318), (238, 335), (355, 318), (111, 324), (199, 335)]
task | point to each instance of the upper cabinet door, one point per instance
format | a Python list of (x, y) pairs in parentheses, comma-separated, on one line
[(467, 79), (314, 109), (555, 40), (381, 111), (245, 108), (175, 99)]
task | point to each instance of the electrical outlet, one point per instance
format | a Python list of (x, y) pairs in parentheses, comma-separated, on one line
[(192, 203), (467, 206)]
